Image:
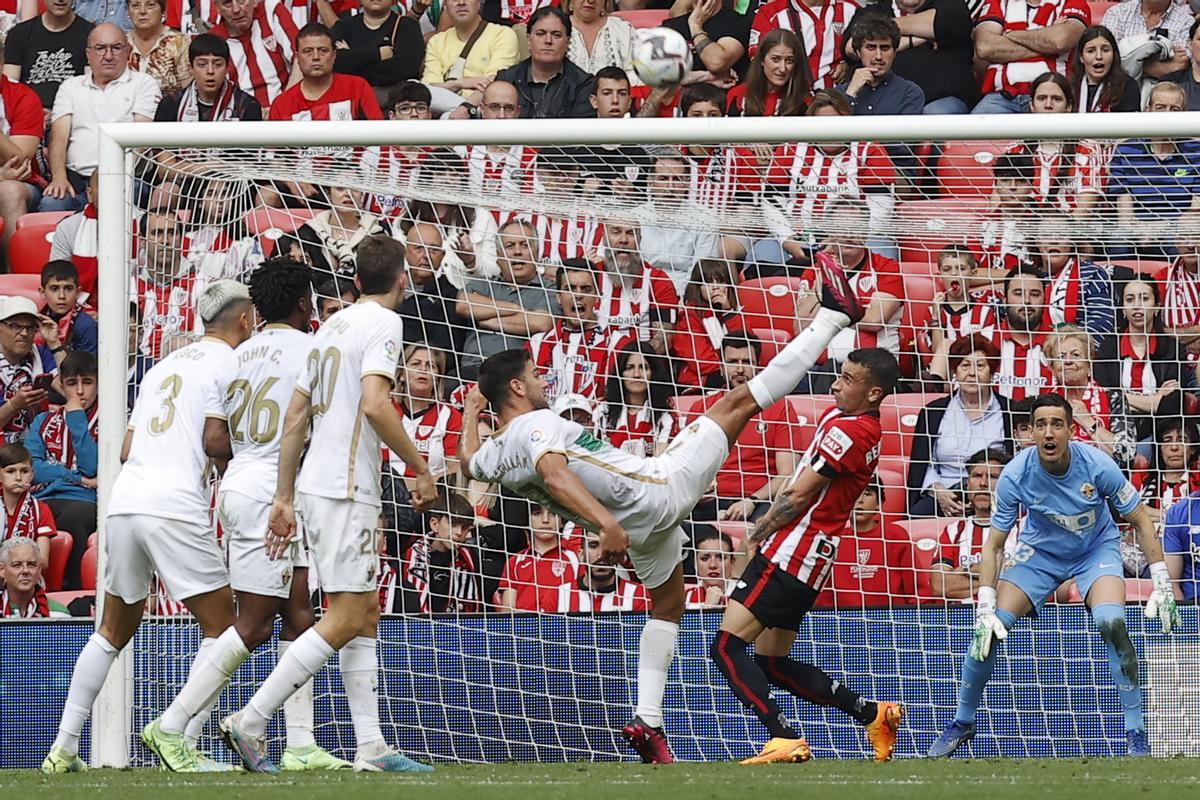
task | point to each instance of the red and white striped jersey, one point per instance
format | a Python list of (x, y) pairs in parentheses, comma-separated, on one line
[(1023, 372), (820, 27), (1095, 400), (560, 238), (398, 168), (1158, 492), (435, 433), (505, 174), (181, 15), (961, 543), (630, 308), (1179, 288), (574, 361), (1059, 178), (465, 591), (388, 586), (876, 273), (815, 178), (1065, 291), (530, 574), (639, 432), (1021, 15), (167, 309), (717, 178), (261, 58), (695, 595), (518, 12), (695, 344), (571, 599), (844, 449), (1001, 244), (979, 314)]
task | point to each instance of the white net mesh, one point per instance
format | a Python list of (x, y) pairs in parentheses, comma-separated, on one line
[(646, 278)]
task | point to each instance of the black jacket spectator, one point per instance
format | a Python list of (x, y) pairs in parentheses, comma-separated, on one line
[(565, 96), (361, 56), (430, 316)]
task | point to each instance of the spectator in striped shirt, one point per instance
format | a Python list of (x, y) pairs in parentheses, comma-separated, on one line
[(433, 425), (638, 299), (599, 587), (1172, 474), (1021, 413), (636, 414), (822, 23), (261, 45), (958, 309), (1002, 242), (1179, 283), (575, 356), (1020, 333), (441, 572), (952, 575)]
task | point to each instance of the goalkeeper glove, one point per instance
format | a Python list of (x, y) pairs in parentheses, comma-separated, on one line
[(987, 624), (1161, 603)]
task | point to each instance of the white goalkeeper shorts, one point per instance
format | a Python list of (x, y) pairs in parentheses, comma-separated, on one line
[(342, 543), (185, 556), (244, 530)]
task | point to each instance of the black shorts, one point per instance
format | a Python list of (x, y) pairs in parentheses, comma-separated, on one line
[(777, 598)]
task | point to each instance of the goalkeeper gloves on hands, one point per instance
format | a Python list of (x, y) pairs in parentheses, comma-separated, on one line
[(987, 624), (1161, 603)]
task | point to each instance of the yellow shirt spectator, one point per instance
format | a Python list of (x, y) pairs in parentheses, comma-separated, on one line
[(495, 50)]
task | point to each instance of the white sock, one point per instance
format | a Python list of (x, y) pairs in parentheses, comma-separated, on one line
[(216, 660), (298, 711), (793, 362), (655, 653), (91, 668), (303, 659), (360, 675)]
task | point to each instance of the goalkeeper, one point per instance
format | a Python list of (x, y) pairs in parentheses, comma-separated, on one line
[(1065, 488)]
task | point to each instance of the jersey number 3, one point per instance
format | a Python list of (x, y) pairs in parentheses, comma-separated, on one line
[(169, 389)]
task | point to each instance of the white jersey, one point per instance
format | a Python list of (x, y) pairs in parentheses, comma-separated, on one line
[(165, 473), (345, 454), (256, 396), (633, 488)]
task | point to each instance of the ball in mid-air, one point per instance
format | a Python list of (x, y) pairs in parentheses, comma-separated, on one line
[(661, 56)]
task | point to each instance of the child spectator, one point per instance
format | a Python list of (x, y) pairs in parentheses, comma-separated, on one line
[(714, 569), (598, 588), (953, 574), (874, 565), (1022, 422), (74, 328), (959, 310), (62, 444), (23, 594), (441, 571), (543, 566), (24, 514)]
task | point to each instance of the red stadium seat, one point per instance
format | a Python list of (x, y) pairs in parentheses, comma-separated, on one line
[(29, 248), (924, 534), (895, 501), (1137, 590), (60, 552), (687, 406), (769, 303), (772, 341), (898, 416), (269, 224), (23, 285), (930, 225), (914, 316), (66, 598), (735, 530), (1098, 9), (87, 569), (43, 218), (965, 168), (644, 18), (919, 269)]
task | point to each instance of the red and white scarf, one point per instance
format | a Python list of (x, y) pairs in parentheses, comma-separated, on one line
[(25, 520), (56, 436), (38, 606), (1064, 295), (84, 250), (518, 12), (222, 109)]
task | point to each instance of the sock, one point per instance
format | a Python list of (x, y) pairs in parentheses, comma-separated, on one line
[(812, 684), (656, 651), (1122, 662), (748, 682), (360, 675), (976, 675), (91, 668), (298, 711), (304, 659), (216, 660), (794, 361)]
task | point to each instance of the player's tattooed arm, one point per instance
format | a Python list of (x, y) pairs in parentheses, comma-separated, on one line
[(789, 503)]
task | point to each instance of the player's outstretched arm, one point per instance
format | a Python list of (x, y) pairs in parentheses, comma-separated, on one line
[(386, 420), (789, 503), (569, 492), (1161, 603), (987, 624)]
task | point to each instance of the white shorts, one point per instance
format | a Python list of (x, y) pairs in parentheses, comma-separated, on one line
[(244, 528), (341, 542), (185, 555)]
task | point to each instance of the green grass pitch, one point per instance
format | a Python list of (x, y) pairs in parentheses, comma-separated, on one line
[(1082, 779)]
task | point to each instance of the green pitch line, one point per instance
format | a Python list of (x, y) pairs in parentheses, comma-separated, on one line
[(1094, 779)]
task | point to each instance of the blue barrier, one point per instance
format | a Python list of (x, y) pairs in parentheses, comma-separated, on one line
[(554, 688)]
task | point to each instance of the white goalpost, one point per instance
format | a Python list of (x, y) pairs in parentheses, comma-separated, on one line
[(490, 686)]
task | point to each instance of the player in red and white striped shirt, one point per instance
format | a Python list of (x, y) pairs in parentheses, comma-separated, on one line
[(961, 543), (799, 539), (821, 26), (598, 587), (543, 566), (261, 36), (715, 559), (635, 298), (1021, 334), (575, 355)]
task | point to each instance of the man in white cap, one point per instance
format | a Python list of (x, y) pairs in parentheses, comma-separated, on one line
[(21, 362), (158, 520)]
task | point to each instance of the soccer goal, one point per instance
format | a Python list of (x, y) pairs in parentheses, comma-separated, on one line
[(932, 211)]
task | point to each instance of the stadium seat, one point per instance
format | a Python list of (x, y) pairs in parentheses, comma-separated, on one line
[(772, 340), (924, 534), (929, 225), (895, 501), (898, 416), (921, 268), (965, 168), (66, 598), (687, 406), (1137, 590), (809, 409), (1142, 266), (735, 530), (769, 303), (914, 316), (269, 224), (23, 285), (1098, 9), (87, 569), (42, 218), (60, 551), (29, 248), (644, 18)]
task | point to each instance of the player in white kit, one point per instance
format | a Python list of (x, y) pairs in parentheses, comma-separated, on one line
[(344, 392), (158, 518), (635, 503), (256, 393)]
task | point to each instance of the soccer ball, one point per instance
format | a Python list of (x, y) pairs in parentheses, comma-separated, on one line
[(661, 56)]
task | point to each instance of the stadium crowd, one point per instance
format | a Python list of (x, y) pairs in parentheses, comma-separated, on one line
[(673, 274)]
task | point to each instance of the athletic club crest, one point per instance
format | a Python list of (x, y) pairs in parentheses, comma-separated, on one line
[(558, 568), (1088, 491), (864, 557)]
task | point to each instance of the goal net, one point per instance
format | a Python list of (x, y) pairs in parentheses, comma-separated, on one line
[(650, 265)]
